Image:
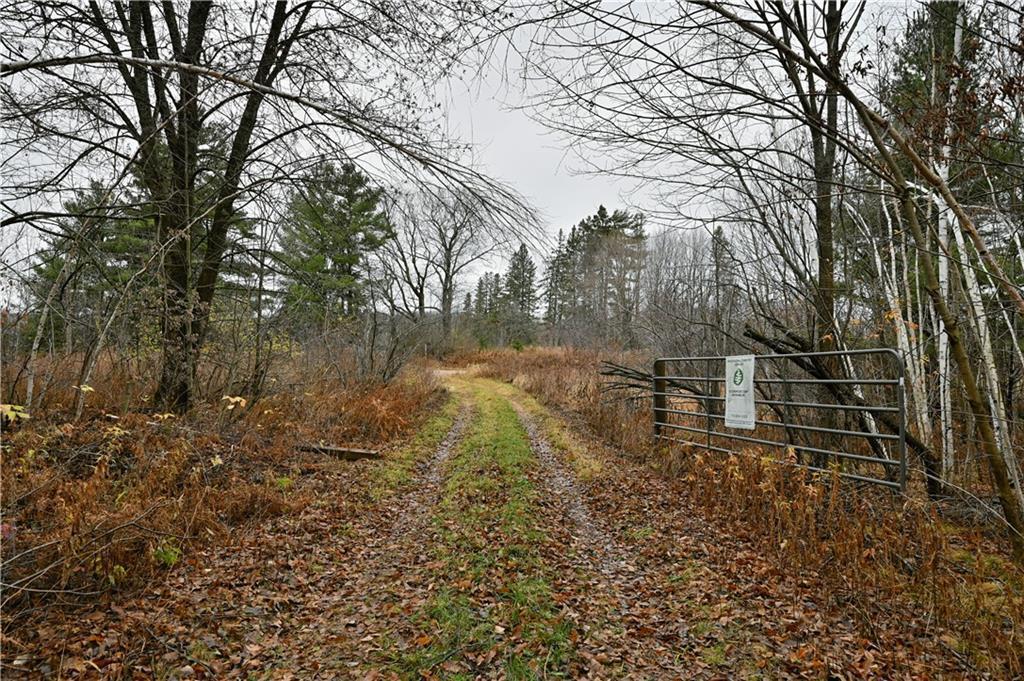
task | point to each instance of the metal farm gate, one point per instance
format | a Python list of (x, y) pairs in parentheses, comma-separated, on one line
[(853, 427)]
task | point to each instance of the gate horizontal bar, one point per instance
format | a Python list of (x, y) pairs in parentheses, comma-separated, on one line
[(795, 426), (783, 403), (802, 381), (842, 474), (781, 445), (790, 355)]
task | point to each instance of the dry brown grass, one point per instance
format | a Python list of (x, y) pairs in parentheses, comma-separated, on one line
[(867, 545), (107, 502)]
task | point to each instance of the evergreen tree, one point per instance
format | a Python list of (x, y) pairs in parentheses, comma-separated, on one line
[(495, 296), (520, 286), (108, 247), (334, 222), (555, 282), (520, 297), (593, 280), (480, 304)]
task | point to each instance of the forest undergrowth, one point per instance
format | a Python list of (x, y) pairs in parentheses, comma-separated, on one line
[(106, 503)]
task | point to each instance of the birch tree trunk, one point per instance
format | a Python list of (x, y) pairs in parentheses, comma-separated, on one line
[(945, 219), (991, 371), (942, 340), (906, 343)]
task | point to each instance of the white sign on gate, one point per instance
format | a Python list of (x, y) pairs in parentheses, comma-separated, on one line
[(739, 392)]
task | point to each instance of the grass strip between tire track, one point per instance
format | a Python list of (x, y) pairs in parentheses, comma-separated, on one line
[(559, 435), (493, 606)]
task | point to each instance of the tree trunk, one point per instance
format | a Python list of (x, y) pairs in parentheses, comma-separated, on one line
[(942, 339), (179, 341), (906, 338), (447, 296), (1012, 509), (944, 225)]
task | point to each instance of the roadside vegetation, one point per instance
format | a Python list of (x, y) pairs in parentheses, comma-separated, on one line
[(109, 503)]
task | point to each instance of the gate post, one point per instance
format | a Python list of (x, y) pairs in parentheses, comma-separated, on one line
[(660, 399), (707, 402)]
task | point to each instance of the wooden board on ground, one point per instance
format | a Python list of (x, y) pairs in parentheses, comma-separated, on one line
[(346, 453)]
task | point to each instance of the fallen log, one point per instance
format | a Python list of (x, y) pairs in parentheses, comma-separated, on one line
[(346, 453)]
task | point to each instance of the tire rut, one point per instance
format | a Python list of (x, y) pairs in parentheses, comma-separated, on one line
[(385, 578), (613, 585), (426, 489), (591, 538)]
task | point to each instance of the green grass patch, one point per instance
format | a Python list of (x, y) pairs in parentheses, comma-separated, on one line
[(558, 434), (684, 574), (640, 533), (701, 628), (398, 467), (494, 602), (714, 655)]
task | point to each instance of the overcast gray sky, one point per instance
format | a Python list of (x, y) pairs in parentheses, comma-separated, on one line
[(537, 162)]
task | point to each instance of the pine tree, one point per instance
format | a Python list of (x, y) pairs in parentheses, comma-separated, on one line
[(593, 280), (333, 223), (480, 304), (519, 282), (495, 296), (488, 309), (553, 281), (520, 296), (105, 263)]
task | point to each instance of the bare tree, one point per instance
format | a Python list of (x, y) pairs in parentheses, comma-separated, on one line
[(440, 236), (201, 106), (458, 237), (406, 261)]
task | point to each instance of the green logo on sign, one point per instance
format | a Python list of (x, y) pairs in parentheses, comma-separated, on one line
[(737, 377)]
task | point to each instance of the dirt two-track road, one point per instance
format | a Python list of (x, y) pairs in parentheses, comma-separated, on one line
[(500, 543)]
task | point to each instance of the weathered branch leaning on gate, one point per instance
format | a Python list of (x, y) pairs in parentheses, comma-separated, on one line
[(854, 427)]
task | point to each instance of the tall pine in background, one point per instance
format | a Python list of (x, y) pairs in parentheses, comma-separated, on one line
[(593, 278), (334, 221), (521, 297)]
